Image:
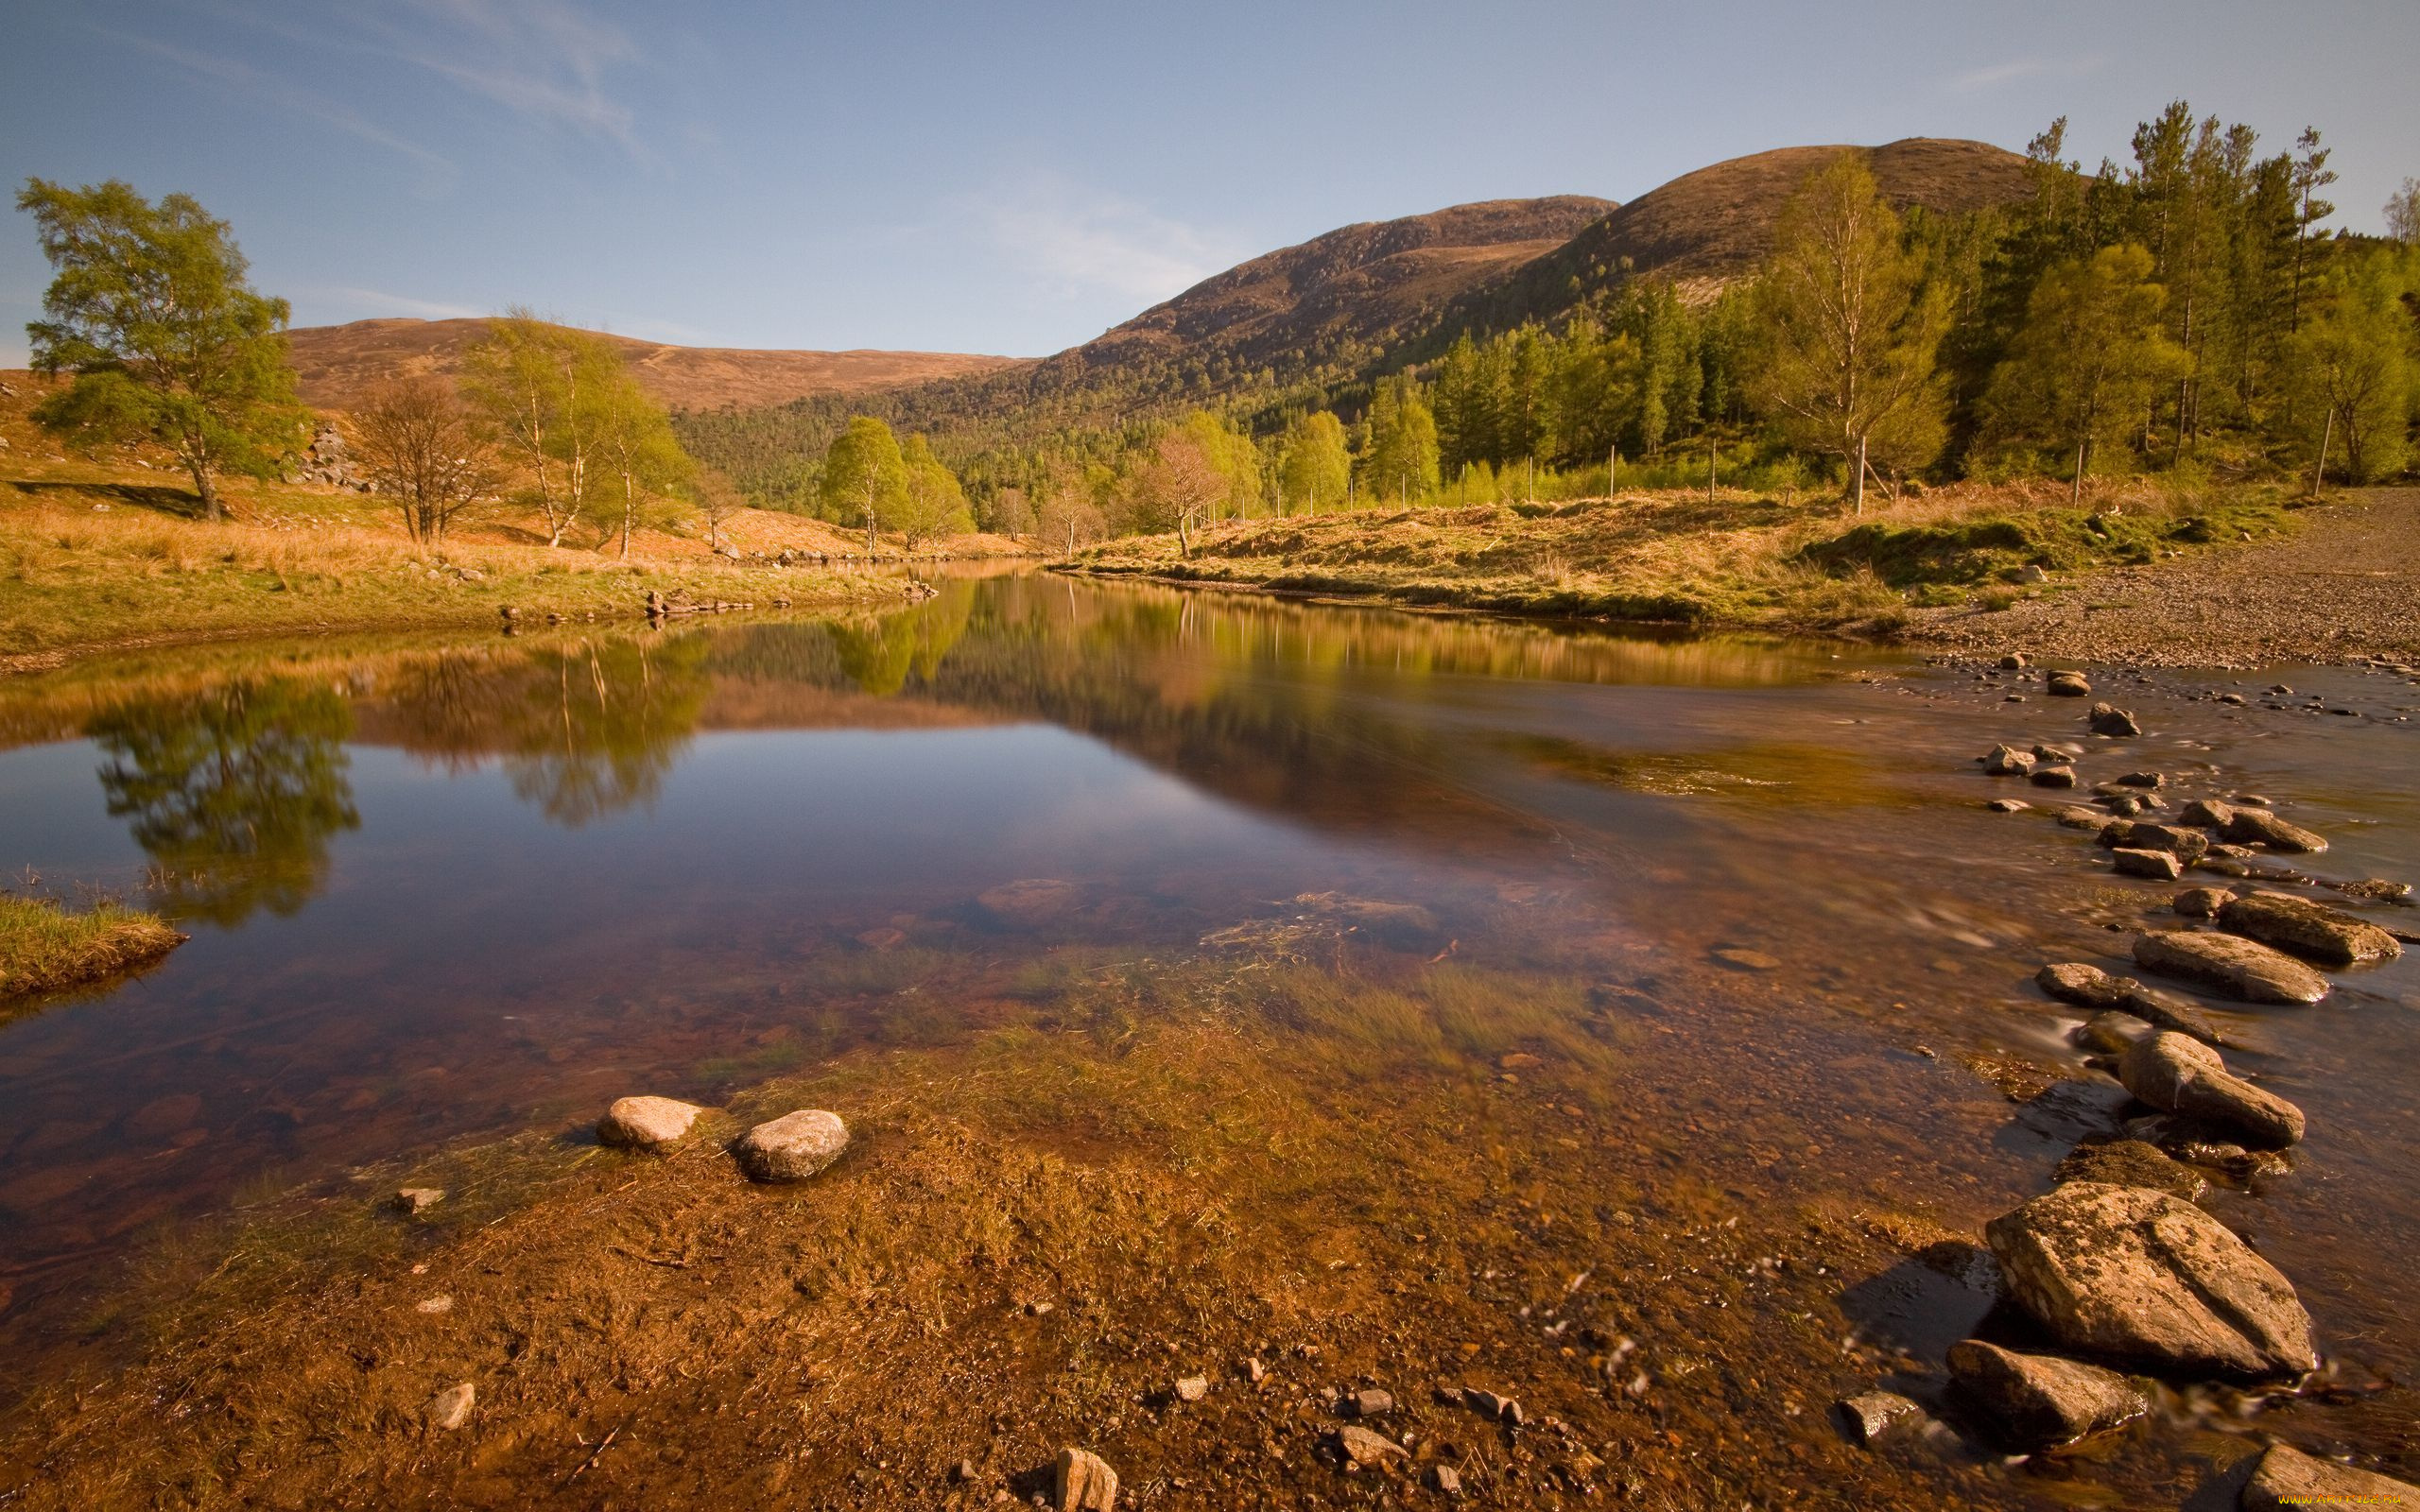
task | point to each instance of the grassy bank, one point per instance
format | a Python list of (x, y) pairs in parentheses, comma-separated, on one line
[(1736, 561), (44, 947), (105, 550)]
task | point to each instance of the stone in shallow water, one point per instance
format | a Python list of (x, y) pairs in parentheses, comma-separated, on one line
[(2036, 1401), (1747, 960), (418, 1200), (2231, 965), (1870, 1415), (2186, 1077), (2308, 929), (2288, 1478), (646, 1123), (2259, 826), (2138, 834), (2201, 903), (793, 1147), (2143, 1277), (2130, 1163), (2007, 761), (2160, 865), (2067, 685), (2108, 719)]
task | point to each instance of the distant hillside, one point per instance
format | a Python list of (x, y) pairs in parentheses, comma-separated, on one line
[(1716, 223), (337, 363), (1301, 325), (1353, 287)]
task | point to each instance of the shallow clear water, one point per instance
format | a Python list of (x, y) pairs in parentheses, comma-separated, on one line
[(441, 890)]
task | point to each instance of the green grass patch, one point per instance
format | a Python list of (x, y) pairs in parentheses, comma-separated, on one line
[(44, 947)]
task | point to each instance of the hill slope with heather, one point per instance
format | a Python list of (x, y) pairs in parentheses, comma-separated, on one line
[(337, 363), (1299, 325)]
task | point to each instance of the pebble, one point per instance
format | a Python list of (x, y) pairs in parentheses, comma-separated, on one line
[(2067, 685), (1370, 1403), (1192, 1388), (418, 1200), (1748, 960), (1445, 1480), (1361, 1447), (2008, 805), (451, 1408)]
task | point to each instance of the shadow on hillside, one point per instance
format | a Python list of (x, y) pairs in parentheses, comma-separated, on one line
[(160, 499)]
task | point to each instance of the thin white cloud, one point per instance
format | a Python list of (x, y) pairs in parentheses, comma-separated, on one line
[(387, 304), (1994, 74), (1075, 242), (438, 171)]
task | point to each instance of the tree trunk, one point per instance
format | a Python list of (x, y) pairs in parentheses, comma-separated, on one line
[(630, 508), (1856, 488), (207, 487), (2326, 435), (2075, 490)]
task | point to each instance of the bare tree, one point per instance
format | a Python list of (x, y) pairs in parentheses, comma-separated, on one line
[(1179, 490), (428, 452)]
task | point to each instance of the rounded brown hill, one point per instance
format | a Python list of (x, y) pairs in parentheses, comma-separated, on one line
[(1711, 225), (1358, 284), (335, 364)]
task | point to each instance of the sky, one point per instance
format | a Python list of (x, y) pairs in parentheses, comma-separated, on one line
[(1017, 178)]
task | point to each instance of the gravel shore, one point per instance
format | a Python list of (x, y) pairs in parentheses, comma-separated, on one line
[(2345, 585)]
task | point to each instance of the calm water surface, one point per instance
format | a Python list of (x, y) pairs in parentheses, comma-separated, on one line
[(440, 891)]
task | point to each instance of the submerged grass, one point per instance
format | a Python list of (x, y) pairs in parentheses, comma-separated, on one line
[(1734, 560), (45, 946)]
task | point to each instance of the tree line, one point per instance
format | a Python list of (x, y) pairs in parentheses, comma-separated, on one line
[(152, 315), (2181, 312)]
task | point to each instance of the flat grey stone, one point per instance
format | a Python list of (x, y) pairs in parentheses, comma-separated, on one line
[(646, 1123), (2231, 965)]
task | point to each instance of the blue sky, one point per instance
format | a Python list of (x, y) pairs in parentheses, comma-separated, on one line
[(1017, 178)]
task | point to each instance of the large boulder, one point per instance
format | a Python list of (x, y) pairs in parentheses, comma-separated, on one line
[(2308, 929), (793, 1147), (2142, 1277), (2259, 826), (2036, 1401), (646, 1123), (2186, 1078), (2289, 1480), (2230, 965)]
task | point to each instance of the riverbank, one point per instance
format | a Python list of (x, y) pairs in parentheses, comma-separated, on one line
[(47, 948), (2344, 584), (105, 552), (1734, 561)]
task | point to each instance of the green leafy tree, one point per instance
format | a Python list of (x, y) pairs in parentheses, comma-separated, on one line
[(637, 446), (865, 476), (2083, 373), (1315, 465), (932, 504), (151, 312), (552, 394), (1850, 331), (2353, 372)]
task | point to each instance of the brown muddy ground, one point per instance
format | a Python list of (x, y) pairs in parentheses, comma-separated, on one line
[(2346, 584)]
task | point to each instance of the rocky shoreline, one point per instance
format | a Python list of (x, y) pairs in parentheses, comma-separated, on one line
[(2117, 1266)]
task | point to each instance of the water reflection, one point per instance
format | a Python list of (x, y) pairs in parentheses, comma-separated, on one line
[(234, 793)]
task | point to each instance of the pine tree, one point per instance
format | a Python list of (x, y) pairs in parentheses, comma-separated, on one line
[(2084, 370)]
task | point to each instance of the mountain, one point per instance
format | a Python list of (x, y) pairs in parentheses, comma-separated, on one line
[(338, 363), (1308, 324), (1354, 286), (1710, 226)]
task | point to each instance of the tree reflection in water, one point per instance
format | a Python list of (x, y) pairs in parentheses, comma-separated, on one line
[(233, 793)]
